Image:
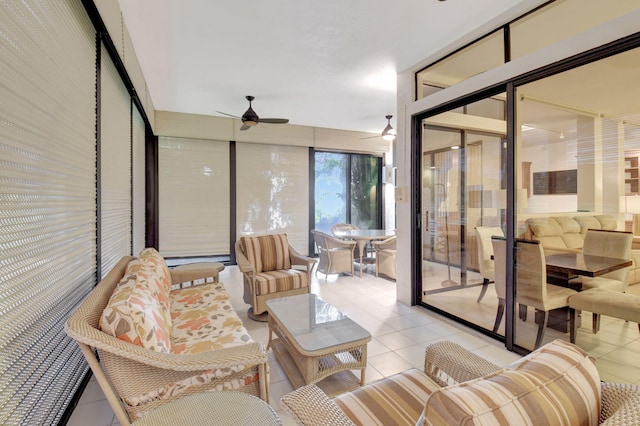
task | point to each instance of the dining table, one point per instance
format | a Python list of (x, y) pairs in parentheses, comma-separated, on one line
[(362, 237), (562, 268)]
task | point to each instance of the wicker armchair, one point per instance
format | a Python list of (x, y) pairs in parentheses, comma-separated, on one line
[(125, 369), (267, 265), (386, 256), (336, 256)]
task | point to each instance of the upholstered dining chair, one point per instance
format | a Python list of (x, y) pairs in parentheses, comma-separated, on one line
[(336, 256), (532, 288), (267, 265), (386, 256), (615, 244), (485, 255)]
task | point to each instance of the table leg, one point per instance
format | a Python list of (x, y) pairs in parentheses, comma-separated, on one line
[(361, 246)]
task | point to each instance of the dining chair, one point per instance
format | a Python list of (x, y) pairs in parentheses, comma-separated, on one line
[(485, 255), (532, 288), (336, 255), (615, 244), (337, 227), (499, 249), (386, 256)]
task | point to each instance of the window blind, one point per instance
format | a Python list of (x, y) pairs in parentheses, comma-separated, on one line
[(47, 202), (115, 165), (273, 191), (194, 202)]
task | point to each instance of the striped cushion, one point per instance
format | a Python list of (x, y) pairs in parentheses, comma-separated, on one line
[(557, 384), (398, 399), (282, 280), (268, 252)]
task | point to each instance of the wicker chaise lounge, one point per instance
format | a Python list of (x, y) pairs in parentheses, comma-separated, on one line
[(557, 384)]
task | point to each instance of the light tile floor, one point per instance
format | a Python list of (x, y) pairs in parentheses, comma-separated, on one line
[(400, 334)]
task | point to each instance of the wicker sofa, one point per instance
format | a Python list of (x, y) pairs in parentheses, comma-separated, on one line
[(557, 384), (157, 343), (566, 233)]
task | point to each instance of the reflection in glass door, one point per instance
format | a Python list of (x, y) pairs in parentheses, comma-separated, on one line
[(463, 188)]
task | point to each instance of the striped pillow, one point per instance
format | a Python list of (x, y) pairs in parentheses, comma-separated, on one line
[(268, 252), (397, 399), (557, 384)]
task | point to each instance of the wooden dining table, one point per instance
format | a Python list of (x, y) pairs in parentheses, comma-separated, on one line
[(362, 237), (563, 267)]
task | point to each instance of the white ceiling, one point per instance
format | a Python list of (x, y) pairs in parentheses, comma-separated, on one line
[(330, 63)]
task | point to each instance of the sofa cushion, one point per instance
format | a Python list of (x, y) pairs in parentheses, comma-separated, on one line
[(268, 252), (137, 311), (398, 399), (607, 222), (204, 320), (282, 280), (544, 227), (587, 222), (556, 384)]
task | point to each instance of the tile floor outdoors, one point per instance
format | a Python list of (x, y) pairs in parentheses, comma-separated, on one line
[(399, 336)]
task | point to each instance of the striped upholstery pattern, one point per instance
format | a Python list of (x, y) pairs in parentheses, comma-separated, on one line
[(268, 252), (557, 384), (277, 281), (395, 400)]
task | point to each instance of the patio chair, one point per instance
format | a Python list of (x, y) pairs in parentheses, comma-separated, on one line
[(386, 257), (336, 256), (267, 265)]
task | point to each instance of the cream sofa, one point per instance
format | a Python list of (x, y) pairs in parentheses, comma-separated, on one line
[(558, 384), (566, 233), (156, 344)]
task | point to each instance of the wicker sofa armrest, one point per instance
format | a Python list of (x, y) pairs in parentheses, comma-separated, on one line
[(620, 404), (448, 363), (182, 276), (310, 406)]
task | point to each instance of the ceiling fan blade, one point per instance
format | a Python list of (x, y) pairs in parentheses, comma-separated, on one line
[(245, 127), (372, 137), (230, 115), (274, 120)]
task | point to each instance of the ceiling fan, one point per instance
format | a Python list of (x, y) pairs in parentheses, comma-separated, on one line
[(250, 118), (388, 133)]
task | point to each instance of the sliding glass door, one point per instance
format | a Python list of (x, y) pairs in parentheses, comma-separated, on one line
[(347, 190)]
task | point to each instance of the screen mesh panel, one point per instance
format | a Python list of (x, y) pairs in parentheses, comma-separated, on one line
[(273, 192), (137, 170), (194, 186), (47, 202), (115, 165)]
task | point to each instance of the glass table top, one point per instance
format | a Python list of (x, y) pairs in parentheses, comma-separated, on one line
[(314, 323)]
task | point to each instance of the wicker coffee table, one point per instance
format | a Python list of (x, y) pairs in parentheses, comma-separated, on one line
[(316, 343)]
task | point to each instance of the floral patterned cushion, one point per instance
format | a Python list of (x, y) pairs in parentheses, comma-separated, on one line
[(203, 320), (138, 310)]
